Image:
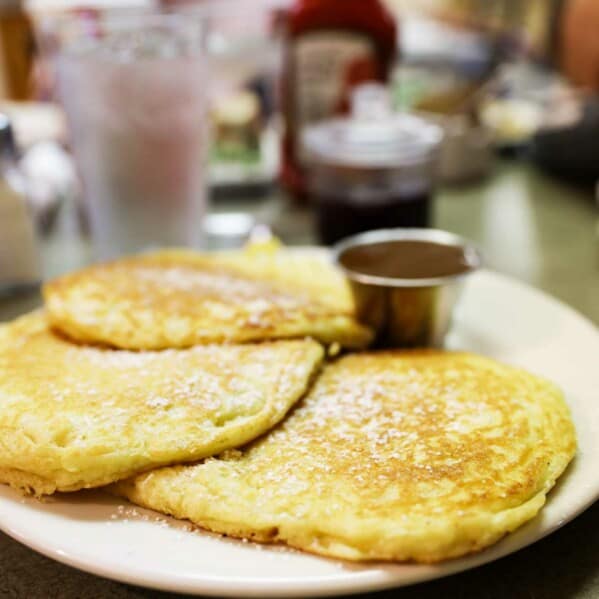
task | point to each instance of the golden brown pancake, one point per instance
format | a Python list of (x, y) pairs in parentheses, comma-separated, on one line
[(73, 416), (181, 298), (420, 455)]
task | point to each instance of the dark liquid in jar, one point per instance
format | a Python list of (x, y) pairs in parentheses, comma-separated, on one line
[(339, 217), (408, 259)]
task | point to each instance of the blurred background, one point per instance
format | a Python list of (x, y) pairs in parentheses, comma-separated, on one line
[(129, 124)]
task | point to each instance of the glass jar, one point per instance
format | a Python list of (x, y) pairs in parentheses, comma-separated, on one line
[(374, 170)]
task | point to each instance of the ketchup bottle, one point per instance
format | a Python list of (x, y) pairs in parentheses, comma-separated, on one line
[(331, 46)]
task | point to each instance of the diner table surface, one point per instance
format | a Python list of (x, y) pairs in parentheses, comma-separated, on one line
[(528, 225)]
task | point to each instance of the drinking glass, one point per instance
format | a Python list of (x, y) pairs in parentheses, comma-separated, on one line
[(134, 91)]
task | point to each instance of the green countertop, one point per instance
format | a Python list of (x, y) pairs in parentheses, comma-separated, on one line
[(534, 228), (528, 226)]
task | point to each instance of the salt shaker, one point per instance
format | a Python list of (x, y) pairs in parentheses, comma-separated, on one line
[(19, 259)]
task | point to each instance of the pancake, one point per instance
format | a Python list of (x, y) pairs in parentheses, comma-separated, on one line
[(73, 417), (180, 298), (419, 455)]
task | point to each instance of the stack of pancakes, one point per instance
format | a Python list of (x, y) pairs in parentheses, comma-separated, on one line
[(199, 385)]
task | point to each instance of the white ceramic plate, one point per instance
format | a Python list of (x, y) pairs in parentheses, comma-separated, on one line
[(497, 317)]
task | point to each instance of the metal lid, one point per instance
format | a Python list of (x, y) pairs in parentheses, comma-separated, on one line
[(374, 136)]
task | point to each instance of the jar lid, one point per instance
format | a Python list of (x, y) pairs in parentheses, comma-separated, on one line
[(373, 136)]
